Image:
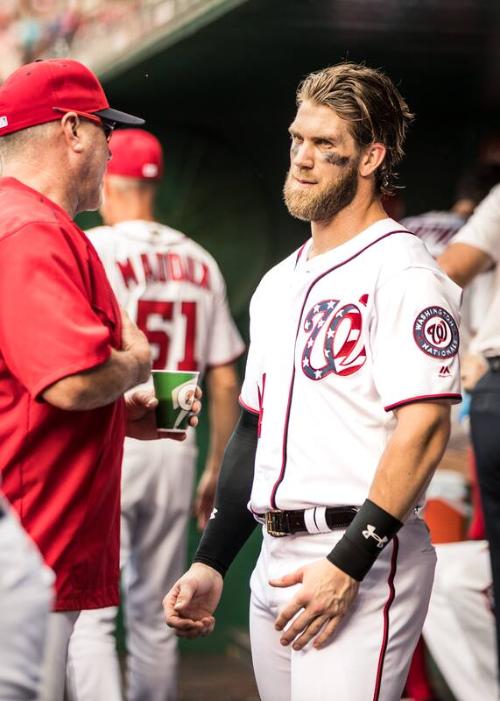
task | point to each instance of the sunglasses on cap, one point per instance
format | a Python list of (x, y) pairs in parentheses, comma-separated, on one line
[(107, 125)]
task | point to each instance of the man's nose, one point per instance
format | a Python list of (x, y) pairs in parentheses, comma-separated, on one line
[(302, 155)]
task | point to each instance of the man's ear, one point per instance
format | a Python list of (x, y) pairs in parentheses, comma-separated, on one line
[(372, 157), (71, 124)]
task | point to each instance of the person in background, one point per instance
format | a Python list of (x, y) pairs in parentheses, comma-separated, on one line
[(67, 352), (473, 250), (173, 289)]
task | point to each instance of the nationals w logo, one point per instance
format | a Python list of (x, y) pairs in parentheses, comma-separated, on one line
[(334, 339)]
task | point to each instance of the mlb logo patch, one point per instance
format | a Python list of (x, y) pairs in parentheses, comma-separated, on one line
[(3, 122), (150, 170)]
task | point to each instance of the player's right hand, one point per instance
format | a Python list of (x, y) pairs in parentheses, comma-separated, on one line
[(190, 604), (136, 343)]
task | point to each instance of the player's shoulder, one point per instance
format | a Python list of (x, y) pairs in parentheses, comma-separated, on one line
[(103, 238), (406, 261), (23, 210), (276, 278), (282, 269), (401, 252)]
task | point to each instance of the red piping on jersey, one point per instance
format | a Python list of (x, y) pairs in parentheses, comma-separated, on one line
[(388, 603), (261, 404), (292, 380), (300, 253), (423, 398), (248, 408)]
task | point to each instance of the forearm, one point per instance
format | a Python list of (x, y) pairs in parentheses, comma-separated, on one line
[(223, 387), (463, 262), (231, 523), (101, 385), (404, 471), (409, 461)]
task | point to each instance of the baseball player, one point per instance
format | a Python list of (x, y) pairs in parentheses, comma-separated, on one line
[(175, 292), (350, 375)]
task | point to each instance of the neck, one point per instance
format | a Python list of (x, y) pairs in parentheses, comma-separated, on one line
[(47, 179), (130, 207), (363, 211)]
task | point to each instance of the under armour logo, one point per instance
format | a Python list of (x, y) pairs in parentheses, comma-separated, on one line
[(214, 513), (445, 371), (371, 533)]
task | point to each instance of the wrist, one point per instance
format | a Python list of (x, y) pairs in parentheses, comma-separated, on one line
[(364, 540)]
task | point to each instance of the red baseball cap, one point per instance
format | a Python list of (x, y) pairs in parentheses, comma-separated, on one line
[(39, 92), (135, 154)]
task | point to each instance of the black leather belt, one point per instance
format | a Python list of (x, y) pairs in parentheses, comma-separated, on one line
[(281, 523), (494, 363)]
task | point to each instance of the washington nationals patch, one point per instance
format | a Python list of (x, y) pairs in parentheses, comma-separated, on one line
[(436, 333)]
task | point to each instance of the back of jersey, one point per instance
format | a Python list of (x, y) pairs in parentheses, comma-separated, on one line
[(173, 289)]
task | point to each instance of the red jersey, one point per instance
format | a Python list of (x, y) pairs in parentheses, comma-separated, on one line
[(60, 469)]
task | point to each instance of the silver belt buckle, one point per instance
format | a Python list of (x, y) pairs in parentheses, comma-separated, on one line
[(270, 524)]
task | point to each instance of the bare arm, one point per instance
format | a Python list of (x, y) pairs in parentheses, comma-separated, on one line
[(462, 262), (223, 388), (409, 460), (104, 383)]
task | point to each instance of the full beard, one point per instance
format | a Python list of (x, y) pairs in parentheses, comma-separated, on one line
[(324, 205)]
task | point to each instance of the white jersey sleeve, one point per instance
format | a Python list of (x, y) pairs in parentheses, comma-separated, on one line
[(225, 344), (415, 338)]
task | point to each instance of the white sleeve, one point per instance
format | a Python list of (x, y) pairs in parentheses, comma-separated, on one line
[(226, 344), (414, 338), (483, 228), (253, 384)]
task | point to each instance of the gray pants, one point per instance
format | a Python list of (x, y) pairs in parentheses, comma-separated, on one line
[(26, 596)]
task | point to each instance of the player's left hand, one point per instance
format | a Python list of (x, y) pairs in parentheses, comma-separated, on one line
[(323, 600), (141, 418)]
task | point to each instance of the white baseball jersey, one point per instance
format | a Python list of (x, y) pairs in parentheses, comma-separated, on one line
[(338, 342), (173, 289)]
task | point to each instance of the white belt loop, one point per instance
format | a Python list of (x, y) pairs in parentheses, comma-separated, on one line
[(315, 520)]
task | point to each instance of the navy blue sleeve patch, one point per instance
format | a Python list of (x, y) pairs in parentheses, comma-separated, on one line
[(436, 333)]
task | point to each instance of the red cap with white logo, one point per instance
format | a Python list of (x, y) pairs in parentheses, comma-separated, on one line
[(136, 154), (43, 91)]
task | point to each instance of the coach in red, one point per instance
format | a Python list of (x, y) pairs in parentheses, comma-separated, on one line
[(67, 353)]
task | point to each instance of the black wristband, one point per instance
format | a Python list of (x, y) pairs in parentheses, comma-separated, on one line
[(231, 523), (368, 534)]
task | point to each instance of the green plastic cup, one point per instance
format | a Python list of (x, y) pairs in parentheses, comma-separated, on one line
[(171, 389)]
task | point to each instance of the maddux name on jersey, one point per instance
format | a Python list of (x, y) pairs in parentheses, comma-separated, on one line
[(164, 267), (334, 343)]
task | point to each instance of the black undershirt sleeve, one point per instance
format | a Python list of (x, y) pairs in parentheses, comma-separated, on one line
[(231, 522)]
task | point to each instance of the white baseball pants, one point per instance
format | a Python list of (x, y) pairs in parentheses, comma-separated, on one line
[(369, 656), (460, 626), (157, 481)]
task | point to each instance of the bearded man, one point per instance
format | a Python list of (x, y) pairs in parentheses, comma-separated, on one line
[(350, 375)]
